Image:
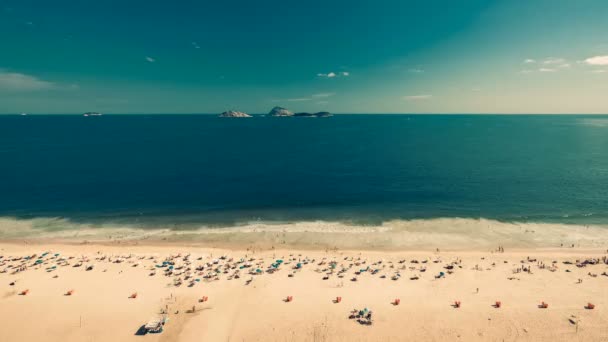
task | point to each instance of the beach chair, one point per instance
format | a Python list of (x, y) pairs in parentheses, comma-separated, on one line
[(543, 305), (289, 299), (457, 304), (24, 292), (133, 295), (69, 293), (498, 304), (338, 300), (203, 299), (590, 306), (397, 301)]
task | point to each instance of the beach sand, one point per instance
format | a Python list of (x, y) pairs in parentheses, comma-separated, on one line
[(100, 310)]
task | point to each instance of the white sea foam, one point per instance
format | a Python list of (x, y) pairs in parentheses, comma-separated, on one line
[(455, 233)]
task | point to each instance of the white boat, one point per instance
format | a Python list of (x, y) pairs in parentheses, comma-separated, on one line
[(92, 114)]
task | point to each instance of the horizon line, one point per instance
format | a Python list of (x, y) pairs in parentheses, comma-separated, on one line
[(264, 114)]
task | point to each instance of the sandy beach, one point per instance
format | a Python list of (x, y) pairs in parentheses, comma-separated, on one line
[(241, 294)]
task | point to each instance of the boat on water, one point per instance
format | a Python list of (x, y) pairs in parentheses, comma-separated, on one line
[(23, 114), (92, 114)]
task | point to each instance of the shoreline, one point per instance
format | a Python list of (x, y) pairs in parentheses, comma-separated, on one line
[(443, 233)]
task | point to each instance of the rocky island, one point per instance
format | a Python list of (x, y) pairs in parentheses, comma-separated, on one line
[(276, 111), (234, 114), (280, 111)]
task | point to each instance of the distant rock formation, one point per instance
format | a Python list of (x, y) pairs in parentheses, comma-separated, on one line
[(234, 114), (323, 114), (306, 115), (280, 111)]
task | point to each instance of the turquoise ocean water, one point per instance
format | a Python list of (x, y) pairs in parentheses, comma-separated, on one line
[(190, 170)]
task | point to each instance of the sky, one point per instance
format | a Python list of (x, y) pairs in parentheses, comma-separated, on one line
[(382, 56)]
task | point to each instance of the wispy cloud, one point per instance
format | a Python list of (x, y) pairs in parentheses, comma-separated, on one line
[(417, 97), (549, 64), (329, 75), (21, 82), (300, 99), (319, 96), (554, 60), (599, 71), (415, 71), (195, 45), (597, 60), (323, 95), (333, 74), (150, 59)]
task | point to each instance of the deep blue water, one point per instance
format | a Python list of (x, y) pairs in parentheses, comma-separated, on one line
[(191, 169)]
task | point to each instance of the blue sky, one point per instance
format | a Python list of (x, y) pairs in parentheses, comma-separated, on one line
[(470, 56)]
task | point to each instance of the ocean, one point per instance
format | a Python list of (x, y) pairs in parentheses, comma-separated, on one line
[(190, 171)]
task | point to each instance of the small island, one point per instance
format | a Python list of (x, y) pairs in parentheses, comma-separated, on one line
[(276, 111), (234, 114), (280, 111)]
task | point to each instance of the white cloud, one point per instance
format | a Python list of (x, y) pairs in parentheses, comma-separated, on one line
[(323, 95), (333, 74), (546, 70), (526, 71), (150, 59), (22, 82), (529, 61), (554, 60), (599, 71), (597, 60), (319, 96), (299, 99), (417, 97)]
